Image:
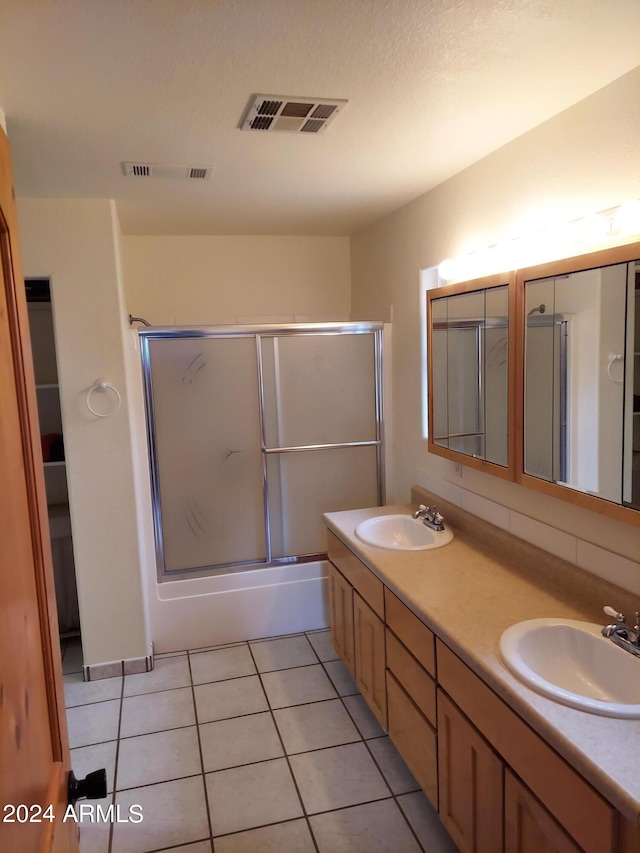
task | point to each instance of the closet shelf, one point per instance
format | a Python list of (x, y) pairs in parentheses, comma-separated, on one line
[(53, 464)]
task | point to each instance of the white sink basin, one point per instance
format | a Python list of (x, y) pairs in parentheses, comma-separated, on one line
[(401, 533), (572, 663)]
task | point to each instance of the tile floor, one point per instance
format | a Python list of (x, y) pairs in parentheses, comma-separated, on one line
[(259, 747)]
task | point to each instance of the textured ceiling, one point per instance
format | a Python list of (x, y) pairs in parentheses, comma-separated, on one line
[(432, 85)]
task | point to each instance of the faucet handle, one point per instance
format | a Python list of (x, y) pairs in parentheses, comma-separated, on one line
[(611, 611)]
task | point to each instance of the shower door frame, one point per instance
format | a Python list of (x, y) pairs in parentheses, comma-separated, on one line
[(258, 332)]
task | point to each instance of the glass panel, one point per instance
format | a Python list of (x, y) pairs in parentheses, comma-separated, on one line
[(438, 390), (319, 389), (575, 380), (464, 381), (305, 484), (496, 375), (631, 472), (207, 425), (539, 379)]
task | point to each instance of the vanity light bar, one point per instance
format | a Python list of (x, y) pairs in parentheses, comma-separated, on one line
[(549, 244)]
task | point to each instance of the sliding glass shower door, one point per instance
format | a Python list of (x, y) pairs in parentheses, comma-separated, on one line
[(254, 433)]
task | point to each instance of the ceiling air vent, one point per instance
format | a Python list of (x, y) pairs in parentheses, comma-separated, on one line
[(158, 170), (290, 115)]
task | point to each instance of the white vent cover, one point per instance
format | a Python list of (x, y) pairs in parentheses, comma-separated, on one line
[(157, 170), (290, 115)]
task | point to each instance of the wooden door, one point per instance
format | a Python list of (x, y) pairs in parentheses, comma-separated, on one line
[(342, 617), (529, 828), (34, 748), (369, 657), (470, 785)]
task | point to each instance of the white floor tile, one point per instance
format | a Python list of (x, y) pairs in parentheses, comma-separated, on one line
[(155, 712), (174, 813), (241, 740), (283, 653), (321, 642), (96, 723), (79, 692), (323, 724), (221, 664), (86, 759), (167, 673), (251, 796), (297, 686), (198, 847), (224, 699), (373, 828), (94, 834), (339, 675), (426, 824), (158, 757), (290, 837), (338, 777), (363, 717), (395, 771)]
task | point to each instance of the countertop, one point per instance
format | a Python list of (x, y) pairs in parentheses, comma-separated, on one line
[(468, 593)]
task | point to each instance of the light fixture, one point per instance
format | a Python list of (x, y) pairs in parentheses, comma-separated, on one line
[(627, 217), (553, 242)]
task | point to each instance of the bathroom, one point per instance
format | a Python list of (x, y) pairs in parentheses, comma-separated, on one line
[(100, 272)]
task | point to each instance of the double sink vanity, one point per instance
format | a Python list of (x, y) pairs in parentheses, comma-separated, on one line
[(433, 637)]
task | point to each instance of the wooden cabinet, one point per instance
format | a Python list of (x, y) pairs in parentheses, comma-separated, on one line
[(498, 785), (342, 618), (369, 656), (470, 783), (529, 828)]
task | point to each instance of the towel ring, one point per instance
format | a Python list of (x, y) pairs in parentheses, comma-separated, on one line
[(614, 356), (101, 386)]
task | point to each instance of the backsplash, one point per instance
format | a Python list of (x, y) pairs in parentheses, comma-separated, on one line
[(605, 564)]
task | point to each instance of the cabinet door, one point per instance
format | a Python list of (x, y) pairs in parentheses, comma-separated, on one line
[(529, 828), (470, 783), (342, 617), (368, 630)]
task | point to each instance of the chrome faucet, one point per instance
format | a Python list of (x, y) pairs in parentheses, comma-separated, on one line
[(620, 633), (430, 517)]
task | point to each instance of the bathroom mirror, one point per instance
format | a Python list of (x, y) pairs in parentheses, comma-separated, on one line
[(580, 380), (470, 358)]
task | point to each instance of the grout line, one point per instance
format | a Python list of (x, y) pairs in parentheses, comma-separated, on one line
[(286, 757), (204, 778), (159, 782), (115, 765), (180, 847)]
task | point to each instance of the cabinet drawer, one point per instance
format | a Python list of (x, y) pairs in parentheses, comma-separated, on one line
[(414, 738), (415, 680), (358, 575), (586, 816), (413, 633)]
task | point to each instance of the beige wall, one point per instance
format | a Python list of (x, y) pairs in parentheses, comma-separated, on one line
[(75, 243), (219, 280), (583, 160)]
